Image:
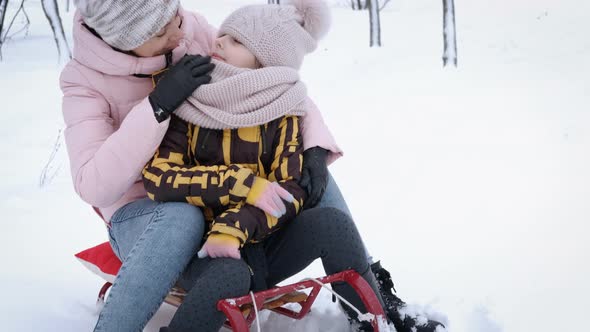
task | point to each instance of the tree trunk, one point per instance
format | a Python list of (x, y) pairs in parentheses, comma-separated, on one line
[(273, 2), (3, 8), (374, 20), (52, 13), (359, 4), (449, 33)]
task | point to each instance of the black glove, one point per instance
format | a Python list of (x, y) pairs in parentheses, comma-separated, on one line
[(314, 175), (178, 83)]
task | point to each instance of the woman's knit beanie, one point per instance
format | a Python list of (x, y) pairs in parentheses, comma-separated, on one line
[(127, 24), (279, 35)]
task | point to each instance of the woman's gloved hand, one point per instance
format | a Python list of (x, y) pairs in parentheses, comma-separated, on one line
[(178, 83), (314, 175)]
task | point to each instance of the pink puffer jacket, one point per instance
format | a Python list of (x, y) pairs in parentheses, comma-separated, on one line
[(111, 132)]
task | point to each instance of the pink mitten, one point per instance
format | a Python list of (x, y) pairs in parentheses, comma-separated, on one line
[(220, 245), (268, 196)]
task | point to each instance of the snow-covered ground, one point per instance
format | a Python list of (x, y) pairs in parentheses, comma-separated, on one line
[(471, 185)]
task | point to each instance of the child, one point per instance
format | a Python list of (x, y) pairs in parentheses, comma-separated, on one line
[(235, 147)]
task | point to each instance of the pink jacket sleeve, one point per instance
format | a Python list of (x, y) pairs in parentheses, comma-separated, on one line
[(205, 33), (105, 161), (316, 133)]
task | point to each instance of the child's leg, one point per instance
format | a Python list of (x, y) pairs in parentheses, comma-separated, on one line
[(155, 241), (325, 233), (333, 198), (209, 280)]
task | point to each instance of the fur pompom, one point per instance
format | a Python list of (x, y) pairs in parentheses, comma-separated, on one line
[(316, 16)]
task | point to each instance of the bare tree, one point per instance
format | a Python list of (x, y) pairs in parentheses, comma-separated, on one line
[(6, 29), (3, 8), (375, 23), (49, 171), (449, 33), (359, 4), (52, 13), (374, 18), (384, 4)]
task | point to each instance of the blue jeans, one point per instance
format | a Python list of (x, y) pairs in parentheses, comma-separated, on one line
[(333, 197), (155, 242)]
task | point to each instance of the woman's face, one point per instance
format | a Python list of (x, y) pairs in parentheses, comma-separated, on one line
[(231, 51), (164, 41)]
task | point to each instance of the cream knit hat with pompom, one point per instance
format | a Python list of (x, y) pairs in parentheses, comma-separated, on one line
[(279, 35)]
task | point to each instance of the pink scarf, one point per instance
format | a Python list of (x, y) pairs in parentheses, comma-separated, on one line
[(239, 97)]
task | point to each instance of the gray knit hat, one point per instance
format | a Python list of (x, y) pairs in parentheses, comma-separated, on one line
[(126, 24), (279, 35)]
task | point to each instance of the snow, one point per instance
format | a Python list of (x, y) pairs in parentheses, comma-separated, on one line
[(470, 184)]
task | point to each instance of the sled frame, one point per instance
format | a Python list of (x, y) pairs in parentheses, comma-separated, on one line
[(239, 320)]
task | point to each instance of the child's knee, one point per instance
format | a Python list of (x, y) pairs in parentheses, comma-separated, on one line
[(234, 274), (327, 220)]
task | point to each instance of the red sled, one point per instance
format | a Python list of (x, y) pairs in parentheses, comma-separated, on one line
[(242, 311)]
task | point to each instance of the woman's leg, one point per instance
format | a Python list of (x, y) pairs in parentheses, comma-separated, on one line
[(155, 241), (209, 280), (331, 235), (333, 198), (325, 233)]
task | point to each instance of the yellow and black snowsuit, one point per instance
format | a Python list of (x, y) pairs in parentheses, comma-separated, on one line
[(215, 170)]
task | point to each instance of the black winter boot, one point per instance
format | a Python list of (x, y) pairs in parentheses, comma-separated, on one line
[(393, 304)]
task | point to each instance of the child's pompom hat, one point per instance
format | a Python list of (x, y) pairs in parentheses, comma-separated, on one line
[(279, 35)]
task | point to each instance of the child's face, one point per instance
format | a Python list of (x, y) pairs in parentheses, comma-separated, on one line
[(230, 51), (164, 41)]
